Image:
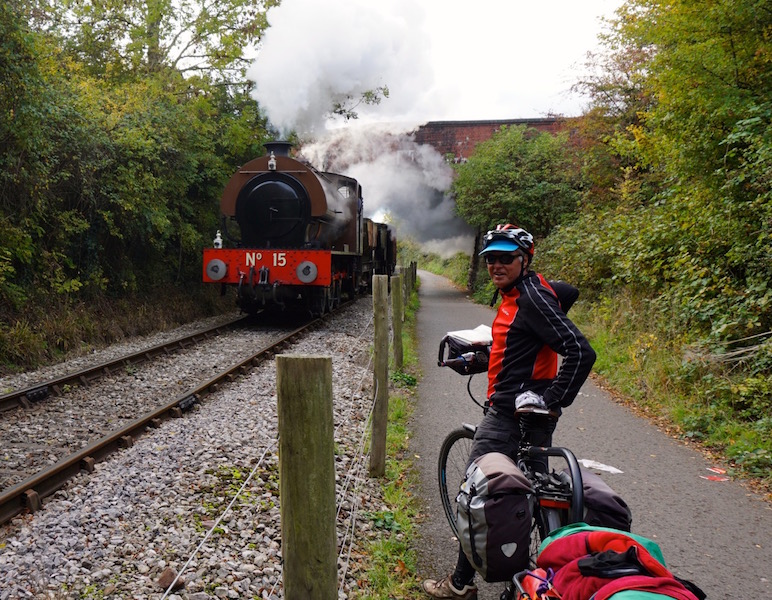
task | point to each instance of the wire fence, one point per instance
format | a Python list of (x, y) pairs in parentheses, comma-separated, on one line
[(349, 487)]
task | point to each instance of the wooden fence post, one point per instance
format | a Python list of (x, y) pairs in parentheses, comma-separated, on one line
[(380, 375), (307, 477), (396, 320)]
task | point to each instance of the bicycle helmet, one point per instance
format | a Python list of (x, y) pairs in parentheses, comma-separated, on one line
[(508, 238)]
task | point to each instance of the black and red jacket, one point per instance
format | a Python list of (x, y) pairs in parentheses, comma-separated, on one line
[(529, 332)]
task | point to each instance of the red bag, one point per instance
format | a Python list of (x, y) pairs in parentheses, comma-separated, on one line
[(535, 585)]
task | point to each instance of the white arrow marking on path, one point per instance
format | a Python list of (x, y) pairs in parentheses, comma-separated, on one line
[(591, 464)]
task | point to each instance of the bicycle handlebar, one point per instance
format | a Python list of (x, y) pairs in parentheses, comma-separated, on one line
[(577, 489), (463, 361), (473, 360), (468, 363)]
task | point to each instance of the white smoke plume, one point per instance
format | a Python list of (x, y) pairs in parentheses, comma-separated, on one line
[(317, 53), (403, 182)]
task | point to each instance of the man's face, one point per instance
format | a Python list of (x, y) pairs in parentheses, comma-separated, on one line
[(503, 275)]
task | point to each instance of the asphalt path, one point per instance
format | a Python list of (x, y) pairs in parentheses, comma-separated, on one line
[(717, 534)]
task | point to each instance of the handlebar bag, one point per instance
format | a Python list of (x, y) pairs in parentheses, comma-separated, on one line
[(494, 517), (471, 345)]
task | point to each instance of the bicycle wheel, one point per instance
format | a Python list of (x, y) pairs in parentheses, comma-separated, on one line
[(545, 521), (451, 468)]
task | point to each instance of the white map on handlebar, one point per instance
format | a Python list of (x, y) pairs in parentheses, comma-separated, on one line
[(481, 335)]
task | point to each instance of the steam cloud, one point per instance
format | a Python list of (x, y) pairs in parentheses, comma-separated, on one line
[(317, 53)]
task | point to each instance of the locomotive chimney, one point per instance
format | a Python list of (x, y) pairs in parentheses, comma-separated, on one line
[(278, 148)]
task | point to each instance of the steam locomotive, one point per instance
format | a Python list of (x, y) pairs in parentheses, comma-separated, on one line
[(294, 238)]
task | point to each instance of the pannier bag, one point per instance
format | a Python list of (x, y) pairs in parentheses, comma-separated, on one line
[(494, 517), (609, 564), (467, 350), (602, 505)]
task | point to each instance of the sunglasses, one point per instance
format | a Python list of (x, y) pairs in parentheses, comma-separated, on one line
[(504, 259)]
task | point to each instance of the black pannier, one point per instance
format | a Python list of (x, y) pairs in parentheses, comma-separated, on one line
[(604, 507)]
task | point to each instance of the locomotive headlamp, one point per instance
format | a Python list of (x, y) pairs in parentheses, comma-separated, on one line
[(215, 269), (306, 271), (272, 162)]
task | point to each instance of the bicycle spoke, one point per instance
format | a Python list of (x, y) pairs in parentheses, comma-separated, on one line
[(451, 470)]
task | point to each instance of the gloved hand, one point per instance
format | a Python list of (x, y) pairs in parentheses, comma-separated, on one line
[(529, 400)]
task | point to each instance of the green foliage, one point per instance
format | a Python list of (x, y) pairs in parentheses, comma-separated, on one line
[(21, 344), (109, 172), (455, 267), (710, 132), (402, 378), (691, 221), (121, 40), (519, 176), (384, 520), (346, 106)]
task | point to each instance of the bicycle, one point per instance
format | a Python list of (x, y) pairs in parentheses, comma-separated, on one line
[(557, 497)]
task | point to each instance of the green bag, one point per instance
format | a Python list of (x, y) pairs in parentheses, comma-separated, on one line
[(636, 595)]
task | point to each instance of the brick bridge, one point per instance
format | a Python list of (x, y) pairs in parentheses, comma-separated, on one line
[(458, 138)]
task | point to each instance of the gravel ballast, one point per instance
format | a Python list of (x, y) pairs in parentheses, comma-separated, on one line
[(167, 505)]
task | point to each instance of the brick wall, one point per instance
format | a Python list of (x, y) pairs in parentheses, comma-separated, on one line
[(459, 138)]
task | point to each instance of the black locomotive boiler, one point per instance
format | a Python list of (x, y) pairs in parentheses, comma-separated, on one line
[(295, 238)]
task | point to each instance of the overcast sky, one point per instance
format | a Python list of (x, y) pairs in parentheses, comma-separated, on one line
[(441, 59), (511, 58)]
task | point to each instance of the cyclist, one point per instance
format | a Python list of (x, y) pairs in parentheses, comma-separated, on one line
[(529, 331)]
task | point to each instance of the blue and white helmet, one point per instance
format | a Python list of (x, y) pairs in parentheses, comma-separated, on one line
[(508, 238)]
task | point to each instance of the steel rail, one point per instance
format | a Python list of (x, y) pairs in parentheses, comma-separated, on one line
[(28, 495), (27, 396)]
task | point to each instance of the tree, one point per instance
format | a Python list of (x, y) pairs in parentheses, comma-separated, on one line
[(520, 176), (709, 131), (22, 100), (109, 183), (613, 170), (689, 220), (116, 37)]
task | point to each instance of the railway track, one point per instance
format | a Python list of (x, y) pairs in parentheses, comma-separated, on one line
[(124, 401), (27, 396)]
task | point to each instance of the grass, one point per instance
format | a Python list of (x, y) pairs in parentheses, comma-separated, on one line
[(47, 333), (390, 571)]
